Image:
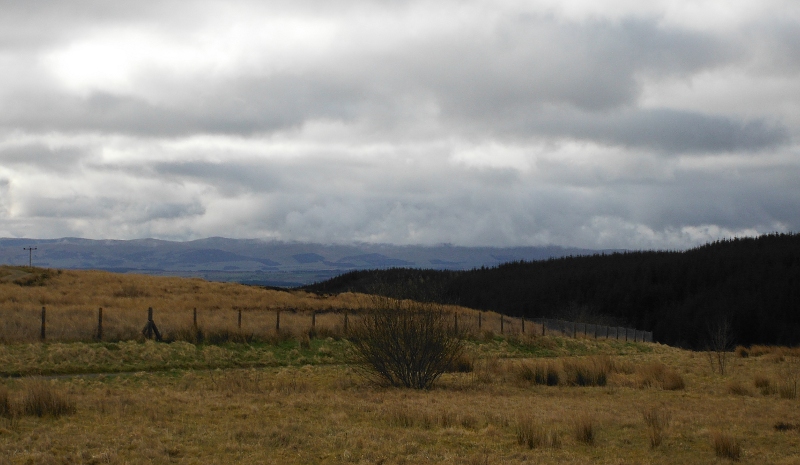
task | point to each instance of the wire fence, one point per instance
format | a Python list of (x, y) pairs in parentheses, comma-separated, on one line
[(56, 325)]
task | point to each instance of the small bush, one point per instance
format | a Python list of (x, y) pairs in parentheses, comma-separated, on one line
[(403, 343), (726, 446), (657, 420), (533, 434), (41, 400), (584, 430)]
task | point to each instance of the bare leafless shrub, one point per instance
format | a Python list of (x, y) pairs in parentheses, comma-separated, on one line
[(41, 399), (657, 420), (403, 343), (720, 343), (726, 446)]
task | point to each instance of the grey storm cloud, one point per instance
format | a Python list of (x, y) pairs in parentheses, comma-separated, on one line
[(475, 123), (41, 157)]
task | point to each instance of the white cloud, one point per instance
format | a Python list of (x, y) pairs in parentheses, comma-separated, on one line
[(594, 124)]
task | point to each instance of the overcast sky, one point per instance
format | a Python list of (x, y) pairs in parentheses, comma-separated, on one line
[(626, 124)]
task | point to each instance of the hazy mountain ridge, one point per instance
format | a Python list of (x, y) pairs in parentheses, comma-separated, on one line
[(256, 261)]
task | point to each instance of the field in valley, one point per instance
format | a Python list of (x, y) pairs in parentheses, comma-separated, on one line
[(290, 398)]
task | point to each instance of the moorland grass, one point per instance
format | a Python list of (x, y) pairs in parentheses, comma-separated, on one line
[(328, 414)]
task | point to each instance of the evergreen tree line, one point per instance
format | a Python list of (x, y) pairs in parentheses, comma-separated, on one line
[(750, 285)]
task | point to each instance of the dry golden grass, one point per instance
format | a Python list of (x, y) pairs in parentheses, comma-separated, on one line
[(657, 420), (300, 402), (726, 446), (328, 414), (72, 300)]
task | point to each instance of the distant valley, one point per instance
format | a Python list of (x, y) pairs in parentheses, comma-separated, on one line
[(252, 261)]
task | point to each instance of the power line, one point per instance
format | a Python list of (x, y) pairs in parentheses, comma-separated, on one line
[(30, 255)]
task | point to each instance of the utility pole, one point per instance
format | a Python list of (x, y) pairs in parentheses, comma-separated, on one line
[(30, 255)]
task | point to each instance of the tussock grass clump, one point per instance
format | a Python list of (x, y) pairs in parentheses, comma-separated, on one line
[(788, 389), (764, 384), (464, 363), (404, 417), (741, 351), (583, 429), (657, 420), (488, 370), (6, 410), (789, 378), (759, 350), (726, 446), (534, 434), (738, 389), (784, 426), (656, 374), (41, 399), (546, 374), (585, 373)]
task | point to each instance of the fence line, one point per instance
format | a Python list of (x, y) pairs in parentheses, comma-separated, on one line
[(126, 324)]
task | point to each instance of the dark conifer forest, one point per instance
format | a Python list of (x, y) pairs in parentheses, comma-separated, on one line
[(749, 285)]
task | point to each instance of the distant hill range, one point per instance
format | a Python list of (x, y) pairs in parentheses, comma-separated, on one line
[(749, 286), (250, 261)]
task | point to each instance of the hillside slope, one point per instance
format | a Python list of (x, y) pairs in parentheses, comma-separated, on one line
[(753, 284)]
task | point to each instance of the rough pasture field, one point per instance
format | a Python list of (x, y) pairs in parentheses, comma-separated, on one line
[(299, 399)]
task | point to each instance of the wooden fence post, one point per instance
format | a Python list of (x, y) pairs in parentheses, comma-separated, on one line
[(480, 319), (345, 322), (455, 323), (194, 318), (239, 322), (100, 324), (502, 324), (523, 324), (150, 329), (278, 321), (42, 335)]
